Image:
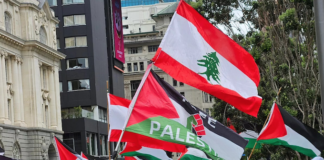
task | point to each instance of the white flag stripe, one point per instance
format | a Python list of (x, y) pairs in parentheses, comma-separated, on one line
[(295, 139), (186, 45), (249, 134)]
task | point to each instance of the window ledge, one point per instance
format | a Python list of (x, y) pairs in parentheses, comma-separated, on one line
[(79, 90), (71, 69), (75, 47), (70, 4), (75, 25)]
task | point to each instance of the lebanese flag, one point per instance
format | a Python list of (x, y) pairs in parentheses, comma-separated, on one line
[(65, 152), (284, 129), (163, 119), (195, 52), (139, 152)]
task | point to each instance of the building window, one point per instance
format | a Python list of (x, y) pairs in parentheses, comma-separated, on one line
[(125, 18), (16, 152), (8, 22), (135, 50), (125, 26), (72, 2), (74, 20), (42, 35), (139, 29), (153, 48), (46, 116), (102, 115), (61, 87), (78, 63), (161, 33), (9, 110), (92, 144), (135, 67), (103, 144), (82, 84), (170, 18), (181, 84), (129, 67), (72, 42), (153, 27), (141, 66), (175, 83), (52, 2), (182, 93), (207, 98), (57, 44), (134, 86)]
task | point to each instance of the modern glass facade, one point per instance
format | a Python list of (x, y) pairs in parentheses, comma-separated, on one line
[(127, 3)]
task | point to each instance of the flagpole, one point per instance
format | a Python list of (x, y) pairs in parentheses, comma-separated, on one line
[(107, 83), (131, 107), (256, 142)]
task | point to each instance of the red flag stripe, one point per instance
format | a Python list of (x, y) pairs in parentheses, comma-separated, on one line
[(221, 43)]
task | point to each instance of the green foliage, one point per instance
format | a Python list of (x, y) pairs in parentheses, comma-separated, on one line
[(289, 20)]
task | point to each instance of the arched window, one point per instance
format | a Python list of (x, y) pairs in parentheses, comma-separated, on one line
[(42, 35), (8, 22), (16, 151)]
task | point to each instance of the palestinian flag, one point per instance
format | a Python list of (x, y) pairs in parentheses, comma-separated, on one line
[(137, 151), (284, 129), (251, 136), (65, 152), (193, 154), (195, 52), (83, 156), (163, 119)]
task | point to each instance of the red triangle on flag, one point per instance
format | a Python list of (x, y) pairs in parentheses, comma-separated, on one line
[(64, 153), (275, 127)]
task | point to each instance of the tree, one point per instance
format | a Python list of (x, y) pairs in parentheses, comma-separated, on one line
[(281, 38)]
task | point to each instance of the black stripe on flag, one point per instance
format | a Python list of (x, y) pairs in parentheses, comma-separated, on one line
[(219, 129), (304, 130)]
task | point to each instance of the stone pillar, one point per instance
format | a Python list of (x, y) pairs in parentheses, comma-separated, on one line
[(57, 98), (2, 89), (53, 121), (22, 109), (15, 85)]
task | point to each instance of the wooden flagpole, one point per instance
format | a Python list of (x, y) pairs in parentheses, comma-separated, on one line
[(131, 107), (256, 142), (107, 83)]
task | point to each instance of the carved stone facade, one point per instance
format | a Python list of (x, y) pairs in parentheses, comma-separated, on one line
[(30, 112)]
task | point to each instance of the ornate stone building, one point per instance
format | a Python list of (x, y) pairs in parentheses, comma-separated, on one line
[(29, 80)]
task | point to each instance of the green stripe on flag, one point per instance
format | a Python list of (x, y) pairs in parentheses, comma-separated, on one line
[(137, 154), (171, 131), (276, 141), (252, 143)]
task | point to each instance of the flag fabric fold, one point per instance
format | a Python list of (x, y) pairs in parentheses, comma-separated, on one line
[(284, 129), (193, 154), (251, 136), (65, 152), (163, 119), (195, 52), (84, 156), (134, 150)]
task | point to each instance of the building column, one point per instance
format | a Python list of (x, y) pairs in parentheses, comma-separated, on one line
[(15, 85), (22, 109), (2, 98), (53, 121), (4, 88), (57, 98)]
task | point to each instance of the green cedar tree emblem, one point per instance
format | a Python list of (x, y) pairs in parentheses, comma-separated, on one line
[(211, 62)]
